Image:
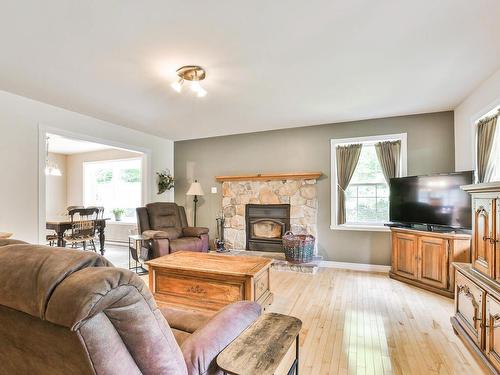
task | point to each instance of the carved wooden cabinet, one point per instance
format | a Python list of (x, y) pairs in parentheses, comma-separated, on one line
[(477, 290), (424, 258)]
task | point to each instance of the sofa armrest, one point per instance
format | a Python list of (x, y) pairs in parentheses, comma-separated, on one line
[(200, 350), (168, 233), (194, 231)]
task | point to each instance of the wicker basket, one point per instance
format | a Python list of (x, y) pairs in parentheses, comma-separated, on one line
[(299, 248)]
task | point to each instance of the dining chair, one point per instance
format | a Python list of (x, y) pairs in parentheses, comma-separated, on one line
[(69, 208), (83, 226), (100, 213), (51, 239)]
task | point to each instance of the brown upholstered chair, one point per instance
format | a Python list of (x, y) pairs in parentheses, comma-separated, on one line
[(166, 225), (65, 311)]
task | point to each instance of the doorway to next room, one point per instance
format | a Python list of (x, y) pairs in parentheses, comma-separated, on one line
[(83, 175)]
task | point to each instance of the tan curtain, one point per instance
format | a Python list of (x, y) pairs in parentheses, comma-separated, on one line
[(347, 159), (485, 140), (389, 155)]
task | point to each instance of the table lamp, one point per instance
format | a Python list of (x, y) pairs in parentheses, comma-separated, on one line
[(196, 190)]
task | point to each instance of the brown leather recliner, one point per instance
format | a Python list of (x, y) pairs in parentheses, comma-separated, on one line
[(66, 311), (165, 224)]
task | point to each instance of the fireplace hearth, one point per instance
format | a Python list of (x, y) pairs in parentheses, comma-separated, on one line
[(265, 226)]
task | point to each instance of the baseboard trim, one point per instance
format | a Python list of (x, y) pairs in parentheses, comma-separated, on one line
[(355, 266)]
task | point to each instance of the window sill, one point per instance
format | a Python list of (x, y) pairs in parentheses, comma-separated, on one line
[(114, 222), (365, 228)]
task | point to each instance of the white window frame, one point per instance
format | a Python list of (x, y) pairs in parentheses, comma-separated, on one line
[(333, 190), (496, 145), (138, 158)]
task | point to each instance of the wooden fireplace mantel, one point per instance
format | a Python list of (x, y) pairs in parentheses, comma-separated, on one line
[(271, 176)]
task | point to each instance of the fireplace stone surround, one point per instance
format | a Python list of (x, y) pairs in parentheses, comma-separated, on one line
[(300, 194)]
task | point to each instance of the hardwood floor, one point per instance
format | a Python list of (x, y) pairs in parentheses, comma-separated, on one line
[(366, 323)]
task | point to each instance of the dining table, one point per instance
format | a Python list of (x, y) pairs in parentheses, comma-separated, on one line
[(61, 224)]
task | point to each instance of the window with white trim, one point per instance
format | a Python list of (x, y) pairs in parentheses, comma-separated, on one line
[(496, 146), (114, 184), (367, 196)]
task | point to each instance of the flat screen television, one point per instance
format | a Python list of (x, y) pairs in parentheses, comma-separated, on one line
[(432, 200)]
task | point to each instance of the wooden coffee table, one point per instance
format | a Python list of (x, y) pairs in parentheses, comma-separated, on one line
[(208, 282)]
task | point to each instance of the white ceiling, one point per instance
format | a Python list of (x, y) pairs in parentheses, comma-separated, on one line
[(270, 64), (69, 146)]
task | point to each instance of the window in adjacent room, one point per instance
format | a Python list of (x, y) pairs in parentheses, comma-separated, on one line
[(366, 195), (114, 184)]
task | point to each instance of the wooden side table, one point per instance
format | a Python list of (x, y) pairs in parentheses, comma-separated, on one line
[(261, 348), (134, 245)]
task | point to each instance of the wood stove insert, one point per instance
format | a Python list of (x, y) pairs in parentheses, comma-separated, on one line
[(265, 225)]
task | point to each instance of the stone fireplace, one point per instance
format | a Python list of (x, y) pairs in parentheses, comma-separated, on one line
[(298, 192), (265, 226)]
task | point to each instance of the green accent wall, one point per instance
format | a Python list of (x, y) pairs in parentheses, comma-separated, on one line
[(307, 149)]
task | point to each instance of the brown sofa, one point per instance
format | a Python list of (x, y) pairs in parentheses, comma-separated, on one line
[(166, 225), (66, 311)]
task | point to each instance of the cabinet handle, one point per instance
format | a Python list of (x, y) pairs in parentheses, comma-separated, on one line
[(494, 318), (492, 241)]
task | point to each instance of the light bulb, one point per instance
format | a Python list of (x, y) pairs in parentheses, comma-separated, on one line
[(201, 92), (195, 86), (177, 86)]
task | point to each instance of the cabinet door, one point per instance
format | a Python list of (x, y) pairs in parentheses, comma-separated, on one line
[(404, 255), (469, 299), (493, 331), (483, 235), (433, 261)]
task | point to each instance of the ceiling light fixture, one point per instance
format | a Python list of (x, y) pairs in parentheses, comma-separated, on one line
[(194, 74)]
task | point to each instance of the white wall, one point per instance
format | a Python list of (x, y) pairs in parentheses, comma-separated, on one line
[(482, 100), (56, 191), (75, 170), (20, 119)]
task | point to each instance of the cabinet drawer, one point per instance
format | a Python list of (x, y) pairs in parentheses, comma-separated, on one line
[(469, 307), (171, 288), (492, 325)]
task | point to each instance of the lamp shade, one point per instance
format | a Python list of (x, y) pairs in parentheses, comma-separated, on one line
[(195, 189)]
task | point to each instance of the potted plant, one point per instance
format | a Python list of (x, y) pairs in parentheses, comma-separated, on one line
[(165, 181), (118, 212)]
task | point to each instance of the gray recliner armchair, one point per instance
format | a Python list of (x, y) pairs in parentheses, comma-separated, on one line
[(166, 226), (65, 311)]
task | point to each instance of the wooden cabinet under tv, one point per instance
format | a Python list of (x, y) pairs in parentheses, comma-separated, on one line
[(424, 258), (477, 288)]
